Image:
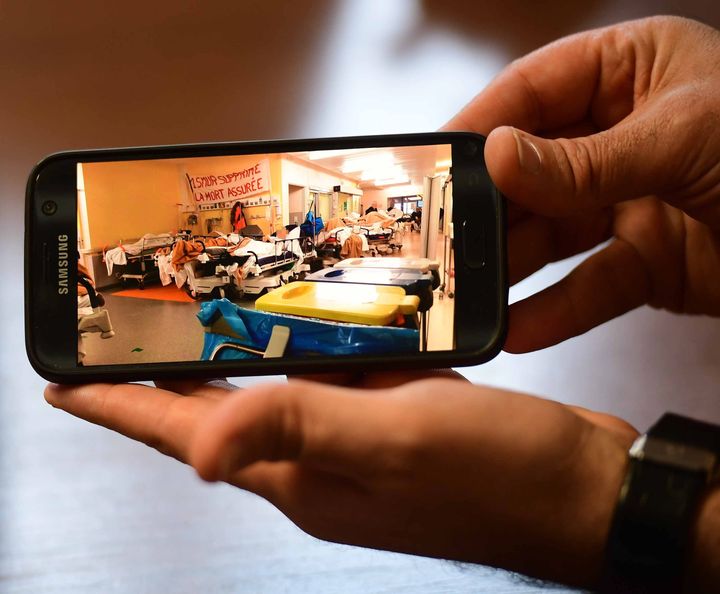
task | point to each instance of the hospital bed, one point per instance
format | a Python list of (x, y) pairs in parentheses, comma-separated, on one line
[(428, 269), (413, 282), (396, 263), (252, 268), (332, 242), (136, 260), (380, 237)]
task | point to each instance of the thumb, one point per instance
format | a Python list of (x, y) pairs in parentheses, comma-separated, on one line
[(328, 427), (566, 176)]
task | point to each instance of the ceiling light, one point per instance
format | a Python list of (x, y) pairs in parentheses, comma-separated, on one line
[(329, 154), (368, 162), (383, 173), (392, 181)]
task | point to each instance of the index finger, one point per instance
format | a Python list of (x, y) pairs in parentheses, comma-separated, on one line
[(584, 76), (159, 418), (374, 380)]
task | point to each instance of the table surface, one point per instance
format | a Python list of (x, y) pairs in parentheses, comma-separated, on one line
[(85, 510)]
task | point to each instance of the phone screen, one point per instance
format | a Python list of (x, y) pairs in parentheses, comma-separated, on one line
[(274, 255)]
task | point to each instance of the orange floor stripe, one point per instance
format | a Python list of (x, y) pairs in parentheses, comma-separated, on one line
[(159, 293)]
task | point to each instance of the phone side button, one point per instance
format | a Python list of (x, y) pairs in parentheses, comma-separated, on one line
[(473, 245)]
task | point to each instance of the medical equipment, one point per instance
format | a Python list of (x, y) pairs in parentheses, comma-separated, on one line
[(413, 282), (233, 332), (418, 264), (211, 272), (92, 316), (379, 240), (137, 258), (277, 264), (374, 305), (250, 268)]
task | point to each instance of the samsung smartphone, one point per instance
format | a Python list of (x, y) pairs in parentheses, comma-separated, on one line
[(252, 258)]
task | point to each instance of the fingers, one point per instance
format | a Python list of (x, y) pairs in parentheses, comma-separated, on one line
[(536, 241), (333, 379), (379, 379), (217, 388), (265, 423), (330, 428), (566, 176), (606, 285), (158, 418), (556, 86)]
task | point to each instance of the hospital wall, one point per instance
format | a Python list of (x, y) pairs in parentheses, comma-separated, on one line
[(262, 215), (128, 199), (300, 173), (374, 195)]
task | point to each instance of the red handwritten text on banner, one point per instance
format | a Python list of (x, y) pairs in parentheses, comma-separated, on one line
[(234, 184)]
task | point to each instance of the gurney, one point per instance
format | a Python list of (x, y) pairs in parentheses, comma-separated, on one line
[(413, 282), (211, 272), (228, 269), (418, 264), (233, 332), (372, 305), (274, 262), (133, 258)]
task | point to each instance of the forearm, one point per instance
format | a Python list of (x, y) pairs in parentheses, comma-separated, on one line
[(704, 566)]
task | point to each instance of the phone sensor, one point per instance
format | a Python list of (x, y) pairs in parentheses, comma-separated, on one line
[(49, 207)]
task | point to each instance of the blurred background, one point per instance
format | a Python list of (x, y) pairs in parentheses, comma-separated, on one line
[(85, 510)]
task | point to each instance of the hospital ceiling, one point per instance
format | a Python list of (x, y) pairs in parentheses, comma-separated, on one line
[(384, 167)]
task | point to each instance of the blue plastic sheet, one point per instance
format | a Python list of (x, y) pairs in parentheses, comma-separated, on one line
[(308, 336)]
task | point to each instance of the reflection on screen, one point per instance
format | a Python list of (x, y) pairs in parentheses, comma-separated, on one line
[(338, 252)]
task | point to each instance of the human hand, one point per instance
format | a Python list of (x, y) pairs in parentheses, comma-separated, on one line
[(619, 140), (436, 467)]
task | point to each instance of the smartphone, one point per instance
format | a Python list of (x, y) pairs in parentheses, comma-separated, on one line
[(253, 258)]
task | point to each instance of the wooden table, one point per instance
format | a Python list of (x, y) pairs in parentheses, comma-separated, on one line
[(85, 510)]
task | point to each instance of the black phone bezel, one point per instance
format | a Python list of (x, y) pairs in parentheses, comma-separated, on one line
[(481, 279)]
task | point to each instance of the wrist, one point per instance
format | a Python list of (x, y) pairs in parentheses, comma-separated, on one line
[(665, 534), (610, 463), (576, 539)]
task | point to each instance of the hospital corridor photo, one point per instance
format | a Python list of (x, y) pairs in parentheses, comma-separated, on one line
[(331, 252)]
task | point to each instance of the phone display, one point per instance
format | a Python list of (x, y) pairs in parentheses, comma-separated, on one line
[(252, 258)]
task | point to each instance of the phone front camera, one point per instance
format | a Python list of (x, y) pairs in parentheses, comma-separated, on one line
[(49, 207)]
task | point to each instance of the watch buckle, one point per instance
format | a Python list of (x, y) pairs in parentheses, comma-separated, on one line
[(678, 455)]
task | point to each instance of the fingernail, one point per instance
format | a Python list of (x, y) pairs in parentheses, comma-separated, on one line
[(528, 154)]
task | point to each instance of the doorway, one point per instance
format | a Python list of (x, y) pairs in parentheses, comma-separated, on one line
[(296, 204)]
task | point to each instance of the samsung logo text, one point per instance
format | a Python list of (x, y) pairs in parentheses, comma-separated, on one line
[(63, 265)]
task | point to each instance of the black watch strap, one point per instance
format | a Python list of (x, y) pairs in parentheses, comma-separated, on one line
[(669, 469)]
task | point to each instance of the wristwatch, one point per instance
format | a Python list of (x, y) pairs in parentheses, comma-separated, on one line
[(670, 469)]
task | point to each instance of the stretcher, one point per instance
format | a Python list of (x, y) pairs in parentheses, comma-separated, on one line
[(372, 305), (233, 332), (136, 260), (423, 265), (260, 266), (413, 282)]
